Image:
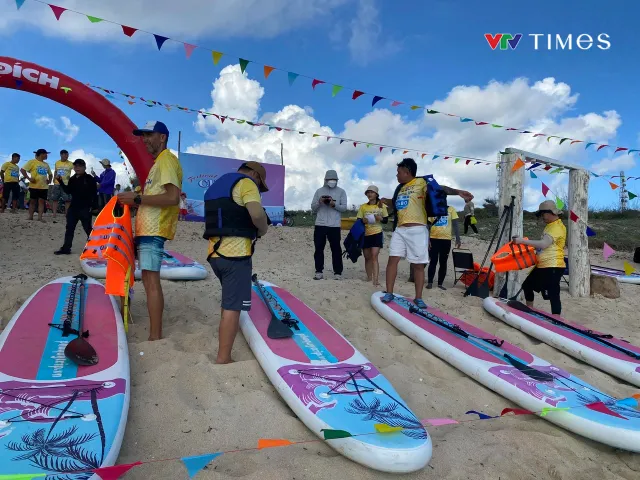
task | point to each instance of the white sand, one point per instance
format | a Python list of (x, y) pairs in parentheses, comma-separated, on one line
[(183, 404)]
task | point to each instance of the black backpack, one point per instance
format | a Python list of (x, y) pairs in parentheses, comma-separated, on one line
[(355, 241)]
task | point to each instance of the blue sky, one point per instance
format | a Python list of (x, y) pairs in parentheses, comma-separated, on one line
[(413, 51)]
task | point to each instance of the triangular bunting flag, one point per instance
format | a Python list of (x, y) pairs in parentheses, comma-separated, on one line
[(436, 422), (576, 141), (356, 94), (375, 100), (631, 195), (468, 162), (335, 434), (483, 416), (628, 268), (57, 11), (335, 90), (381, 149), (196, 463), (393, 150), (613, 185), (495, 125), (545, 189), (19, 3), (519, 164), (589, 144), (160, 40), (415, 107), (533, 175), (342, 140), (607, 251), (602, 408), (395, 103), (563, 140), (316, 82), (94, 19), (463, 120), (556, 170), (273, 442), (620, 149), (128, 31), (188, 49), (601, 147), (22, 476), (216, 57), (243, 64), (292, 77), (268, 70), (115, 472), (573, 216), (515, 411), (559, 203), (316, 135), (590, 232), (456, 160), (481, 123), (384, 428), (546, 410)]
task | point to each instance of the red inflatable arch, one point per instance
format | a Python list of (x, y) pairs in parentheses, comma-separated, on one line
[(60, 88)]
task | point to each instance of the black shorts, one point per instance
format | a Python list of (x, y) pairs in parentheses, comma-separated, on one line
[(38, 193), (374, 241), (235, 279), (11, 187)]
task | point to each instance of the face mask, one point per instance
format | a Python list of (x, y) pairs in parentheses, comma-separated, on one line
[(332, 183)]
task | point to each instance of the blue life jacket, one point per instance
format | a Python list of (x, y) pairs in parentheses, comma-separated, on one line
[(224, 217), (355, 241), (435, 200)]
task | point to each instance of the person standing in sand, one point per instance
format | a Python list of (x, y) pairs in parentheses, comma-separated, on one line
[(38, 172), (328, 203), (410, 239), (234, 220), (373, 214), (62, 169), (440, 235), (157, 216), (10, 173), (469, 217), (106, 183)]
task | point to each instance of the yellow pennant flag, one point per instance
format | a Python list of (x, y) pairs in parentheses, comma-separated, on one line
[(384, 428), (519, 164), (216, 57), (628, 269)]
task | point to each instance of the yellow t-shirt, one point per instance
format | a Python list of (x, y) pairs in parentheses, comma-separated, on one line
[(11, 172), (410, 202), (64, 170), (553, 255), (245, 191), (39, 172), (155, 221), (443, 227), (366, 209)]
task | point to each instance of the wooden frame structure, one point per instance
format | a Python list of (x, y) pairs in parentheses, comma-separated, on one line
[(512, 184)]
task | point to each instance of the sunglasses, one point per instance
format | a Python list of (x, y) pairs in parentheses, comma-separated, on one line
[(539, 213)]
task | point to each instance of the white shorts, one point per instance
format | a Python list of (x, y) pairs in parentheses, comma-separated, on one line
[(411, 243)]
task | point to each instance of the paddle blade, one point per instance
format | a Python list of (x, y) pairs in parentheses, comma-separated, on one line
[(277, 329), (80, 352), (519, 306)]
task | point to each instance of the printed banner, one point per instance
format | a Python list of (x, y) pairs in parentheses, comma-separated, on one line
[(199, 172)]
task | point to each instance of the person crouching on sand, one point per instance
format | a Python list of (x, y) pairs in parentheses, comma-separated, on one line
[(373, 214), (547, 274)]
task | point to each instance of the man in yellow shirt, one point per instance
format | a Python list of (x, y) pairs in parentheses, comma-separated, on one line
[(10, 173), (62, 168), (440, 245), (234, 220), (157, 216), (410, 239), (38, 172), (547, 274)]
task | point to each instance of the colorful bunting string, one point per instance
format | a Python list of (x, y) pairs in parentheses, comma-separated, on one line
[(160, 40)]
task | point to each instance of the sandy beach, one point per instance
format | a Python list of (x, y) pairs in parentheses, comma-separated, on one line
[(183, 404)]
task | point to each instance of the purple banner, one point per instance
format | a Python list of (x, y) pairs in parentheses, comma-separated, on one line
[(201, 171)]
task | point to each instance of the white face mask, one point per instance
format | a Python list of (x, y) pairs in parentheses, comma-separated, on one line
[(332, 183)]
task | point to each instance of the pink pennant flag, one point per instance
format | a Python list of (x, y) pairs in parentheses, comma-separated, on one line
[(395, 103), (115, 472), (57, 11), (545, 189), (607, 251), (436, 422), (188, 49)]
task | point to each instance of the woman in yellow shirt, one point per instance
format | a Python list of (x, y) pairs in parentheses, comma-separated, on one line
[(373, 214), (547, 274)]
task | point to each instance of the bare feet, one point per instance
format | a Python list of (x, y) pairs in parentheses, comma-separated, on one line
[(224, 361)]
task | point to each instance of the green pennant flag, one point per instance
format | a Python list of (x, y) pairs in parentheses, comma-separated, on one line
[(368, 145), (240, 121), (456, 160), (334, 434), (495, 125), (632, 195), (94, 19), (243, 64), (557, 170), (22, 476), (559, 204), (335, 90), (432, 112), (546, 410)]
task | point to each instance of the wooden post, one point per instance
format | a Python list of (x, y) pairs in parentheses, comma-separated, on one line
[(579, 266), (511, 184)]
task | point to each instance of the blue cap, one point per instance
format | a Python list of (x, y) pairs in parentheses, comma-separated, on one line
[(152, 126)]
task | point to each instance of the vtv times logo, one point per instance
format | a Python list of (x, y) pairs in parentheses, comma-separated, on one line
[(584, 41)]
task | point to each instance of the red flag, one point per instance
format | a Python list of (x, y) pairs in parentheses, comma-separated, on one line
[(547, 168), (406, 151), (355, 143), (57, 11), (316, 82), (573, 216), (545, 189), (115, 472), (128, 31), (380, 148), (423, 155), (356, 94), (468, 162), (601, 147), (516, 411), (620, 149)]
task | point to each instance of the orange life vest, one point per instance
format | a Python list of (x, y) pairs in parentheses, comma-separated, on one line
[(514, 256), (112, 240), (469, 276)]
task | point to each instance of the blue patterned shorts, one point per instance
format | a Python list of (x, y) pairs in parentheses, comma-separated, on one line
[(150, 252)]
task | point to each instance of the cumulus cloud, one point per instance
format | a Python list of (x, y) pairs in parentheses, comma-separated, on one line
[(617, 164), (68, 130), (541, 106), (252, 18)]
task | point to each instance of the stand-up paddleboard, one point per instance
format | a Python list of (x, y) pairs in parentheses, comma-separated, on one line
[(175, 266), (612, 355), (523, 378), (330, 385), (619, 274), (56, 416)]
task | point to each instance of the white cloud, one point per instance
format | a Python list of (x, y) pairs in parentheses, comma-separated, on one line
[(68, 132), (617, 164), (186, 20), (540, 106)]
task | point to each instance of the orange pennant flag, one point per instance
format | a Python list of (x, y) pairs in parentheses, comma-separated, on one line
[(268, 70), (406, 151), (613, 185), (519, 164), (272, 442)]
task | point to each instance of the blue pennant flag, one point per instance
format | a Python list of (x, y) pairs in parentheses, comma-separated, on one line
[(19, 3), (483, 416), (292, 77), (533, 175), (393, 150), (590, 233), (435, 156), (198, 462)]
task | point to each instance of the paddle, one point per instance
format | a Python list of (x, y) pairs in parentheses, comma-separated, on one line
[(600, 338), (277, 328), (79, 350), (491, 343)]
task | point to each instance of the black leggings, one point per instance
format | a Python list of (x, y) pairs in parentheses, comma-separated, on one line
[(546, 281), (467, 224), (438, 252), (320, 237)]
